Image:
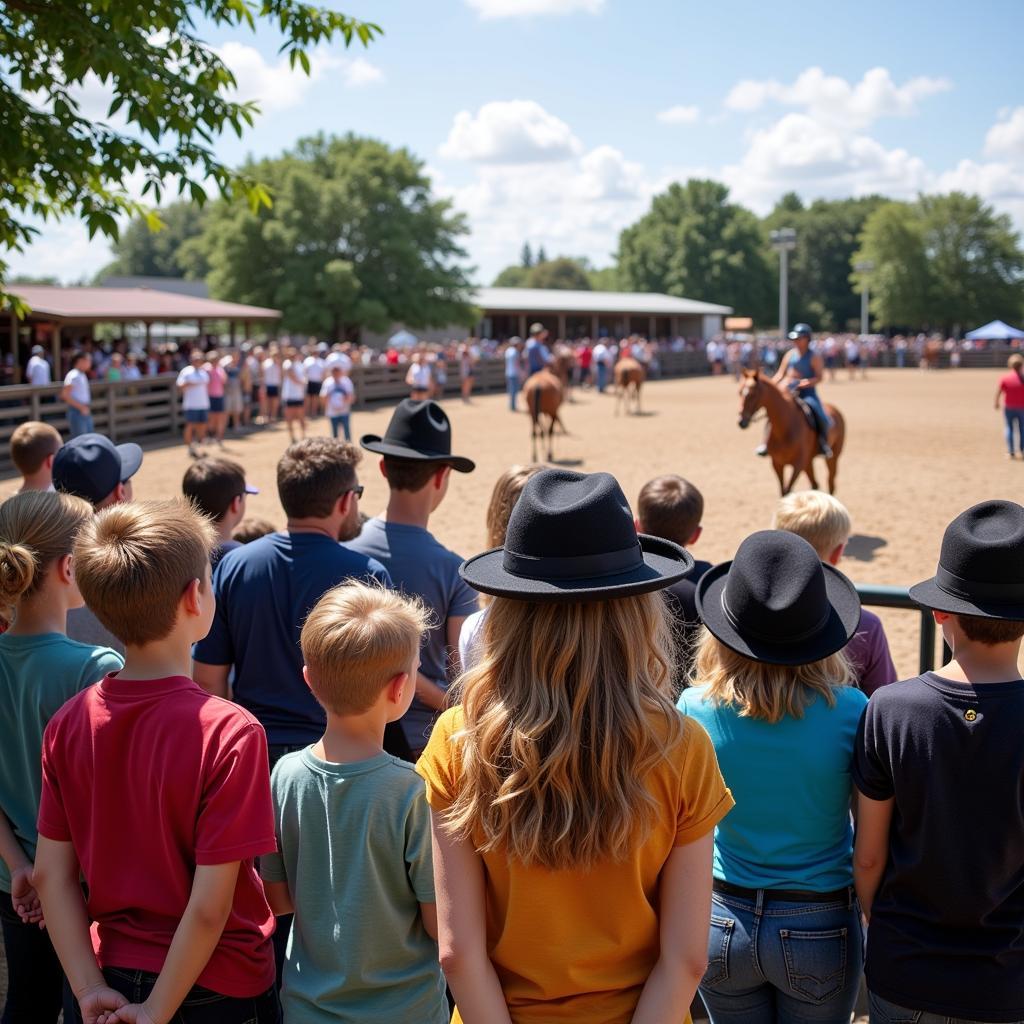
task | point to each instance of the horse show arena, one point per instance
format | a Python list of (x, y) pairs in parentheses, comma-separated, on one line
[(921, 447)]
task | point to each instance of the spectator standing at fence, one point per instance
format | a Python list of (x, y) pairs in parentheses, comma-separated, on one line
[(824, 523), (193, 385), (417, 462), (337, 394), (774, 691), (314, 369), (271, 372), (1011, 391), (218, 489), (76, 394), (218, 405), (572, 807), (513, 370), (40, 669), (601, 357), (467, 369), (33, 448), (293, 393), (417, 378), (940, 770), (38, 372)]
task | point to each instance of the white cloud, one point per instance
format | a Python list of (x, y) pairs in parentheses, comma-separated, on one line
[(1006, 137), (679, 114), (359, 71), (531, 8), (63, 250), (510, 132), (832, 99)]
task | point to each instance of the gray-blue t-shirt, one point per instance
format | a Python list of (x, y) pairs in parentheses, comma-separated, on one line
[(38, 674), (354, 850), (419, 565)]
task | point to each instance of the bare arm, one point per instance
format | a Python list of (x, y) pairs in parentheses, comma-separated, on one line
[(24, 898), (65, 397), (279, 898), (999, 394), (429, 693), (817, 371), (428, 914), (871, 850), (212, 678), (462, 929), (780, 373), (684, 914)]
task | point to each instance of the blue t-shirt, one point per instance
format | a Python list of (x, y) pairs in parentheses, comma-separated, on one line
[(38, 674), (791, 826), (420, 566), (264, 592)]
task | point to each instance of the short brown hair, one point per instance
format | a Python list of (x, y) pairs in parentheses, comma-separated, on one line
[(212, 484), (409, 474), (251, 528), (819, 518), (670, 507), (355, 639), (313, 474), (31, 444), (981, 630), (134, 561)]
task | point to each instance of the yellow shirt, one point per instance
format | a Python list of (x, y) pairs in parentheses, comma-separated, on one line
[(579, 945)]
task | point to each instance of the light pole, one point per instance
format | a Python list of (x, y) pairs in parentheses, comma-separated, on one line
[(864, 268), (784, 242)]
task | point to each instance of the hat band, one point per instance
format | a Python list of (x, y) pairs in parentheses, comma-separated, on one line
[(429, 452), (957, 586), (773, 638), (567, 567)]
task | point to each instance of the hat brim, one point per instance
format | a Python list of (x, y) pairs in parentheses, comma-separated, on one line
[(929, 594), (378, 444), (842, 623), (131, 460), (249, 489), (664, 563)]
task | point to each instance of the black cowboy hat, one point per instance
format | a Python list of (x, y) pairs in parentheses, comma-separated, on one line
[(981, 564), (419, 431), (777, 602), (571, 537)]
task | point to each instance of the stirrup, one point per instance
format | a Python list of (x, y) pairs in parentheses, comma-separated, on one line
[(826, 449)]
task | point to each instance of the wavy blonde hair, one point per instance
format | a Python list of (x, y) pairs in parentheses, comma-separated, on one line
[(769, 692), (565, 716)]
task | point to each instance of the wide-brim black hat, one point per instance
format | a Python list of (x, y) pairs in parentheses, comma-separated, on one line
[(777, 602), (571, 537), (981, 565), (420, 432)]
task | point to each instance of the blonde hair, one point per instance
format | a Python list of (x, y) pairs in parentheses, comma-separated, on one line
[(507, 489), (355, 640), (819, 518), (568, 711), (134, 561), (1016, 361), (36, 529), (760, 690)]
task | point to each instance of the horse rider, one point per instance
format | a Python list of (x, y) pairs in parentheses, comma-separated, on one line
[(801, 370), (537, 353)]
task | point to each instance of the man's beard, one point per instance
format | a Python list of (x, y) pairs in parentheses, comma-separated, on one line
[(351, 527)]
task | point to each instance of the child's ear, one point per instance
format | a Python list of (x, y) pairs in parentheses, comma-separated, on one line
[(835, 556), (66, 569), (696, 536), (383, 469), (193, 597), (638, 525), (305, 676), (49, 460), (396, 687), (942, 617)]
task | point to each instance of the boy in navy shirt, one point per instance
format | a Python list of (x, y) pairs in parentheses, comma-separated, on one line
[(939, 856)]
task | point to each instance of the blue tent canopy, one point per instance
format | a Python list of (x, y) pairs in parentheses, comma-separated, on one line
[(995, 331)]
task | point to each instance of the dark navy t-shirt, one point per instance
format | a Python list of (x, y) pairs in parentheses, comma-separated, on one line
[(947, 925), (264, 592)]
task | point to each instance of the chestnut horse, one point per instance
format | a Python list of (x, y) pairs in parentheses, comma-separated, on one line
[(629, 378), (543, 391), (791, 441)]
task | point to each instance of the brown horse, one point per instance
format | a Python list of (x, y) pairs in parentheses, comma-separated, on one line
[(792, 441), (543, 391), (629, 378)]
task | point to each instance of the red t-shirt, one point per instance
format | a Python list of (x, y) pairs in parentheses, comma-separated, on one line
[(147, 779), (1012, 387)]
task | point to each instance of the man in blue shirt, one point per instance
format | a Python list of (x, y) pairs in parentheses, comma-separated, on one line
[(537, 353), (265, 590)]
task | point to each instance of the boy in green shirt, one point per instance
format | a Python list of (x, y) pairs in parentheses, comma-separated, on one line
[(358, 873)]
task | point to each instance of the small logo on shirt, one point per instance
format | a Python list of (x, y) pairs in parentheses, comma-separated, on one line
[(971, 715)]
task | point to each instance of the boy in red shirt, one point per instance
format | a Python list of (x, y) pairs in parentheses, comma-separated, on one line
[(158, 794)]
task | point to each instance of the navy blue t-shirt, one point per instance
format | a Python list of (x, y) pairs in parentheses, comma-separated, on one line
[(947, 924), (264, 592), (681, 599)]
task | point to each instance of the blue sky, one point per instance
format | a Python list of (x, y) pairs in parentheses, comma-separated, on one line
[(540, 118)]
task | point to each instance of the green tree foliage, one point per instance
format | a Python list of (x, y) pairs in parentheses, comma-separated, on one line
[(605, 279), (526, 256), (514, 276), (693, 242), (944, 261), (354, 238), (562, 272), (141, 252), (820, 292), (170, 102)]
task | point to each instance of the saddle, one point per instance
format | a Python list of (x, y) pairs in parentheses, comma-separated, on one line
[(810, 415)]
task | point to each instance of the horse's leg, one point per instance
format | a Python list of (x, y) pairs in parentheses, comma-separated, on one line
[(795, 472), (779, 472), (833, 466), (551, 439), (809, 470)]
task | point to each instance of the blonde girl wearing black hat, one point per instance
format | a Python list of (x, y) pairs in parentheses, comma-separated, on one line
[(775, 693), (40, 669), (572, 806)]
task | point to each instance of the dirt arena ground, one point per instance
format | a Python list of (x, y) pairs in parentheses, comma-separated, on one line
[(921, 447)]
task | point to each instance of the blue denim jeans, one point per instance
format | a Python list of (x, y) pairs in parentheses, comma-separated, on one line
[(512, 389), (1014, 418), (602, 376), (79, 422), (780, 962), (341, 422), (884, 1012)]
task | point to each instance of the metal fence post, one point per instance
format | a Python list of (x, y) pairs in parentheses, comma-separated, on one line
[(926, 656)]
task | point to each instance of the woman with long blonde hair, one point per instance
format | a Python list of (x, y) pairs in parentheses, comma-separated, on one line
[(775, 693), (40, 669), (572, 806)]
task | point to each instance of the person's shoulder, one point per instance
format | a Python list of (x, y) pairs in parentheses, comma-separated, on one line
[(223, 716), (870, 622), (290, 769), (850, 699), (903, 694)]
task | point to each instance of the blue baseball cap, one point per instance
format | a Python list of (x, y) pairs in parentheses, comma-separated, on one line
[(91, 466)]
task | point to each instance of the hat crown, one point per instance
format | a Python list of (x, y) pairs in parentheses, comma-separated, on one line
[(423, 426), (985, 544), (776, 588), (564, 514), (88, 466)]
